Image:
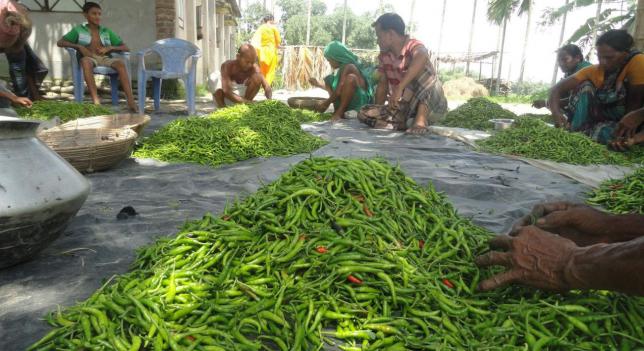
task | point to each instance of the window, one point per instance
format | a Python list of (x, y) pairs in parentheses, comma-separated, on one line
[(55, 5)]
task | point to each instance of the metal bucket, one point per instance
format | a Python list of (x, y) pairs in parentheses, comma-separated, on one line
[(39, 192)]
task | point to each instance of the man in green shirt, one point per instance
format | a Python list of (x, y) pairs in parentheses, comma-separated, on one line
[(95, 43)]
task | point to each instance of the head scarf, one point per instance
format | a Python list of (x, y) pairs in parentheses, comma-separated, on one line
[(336, 51)]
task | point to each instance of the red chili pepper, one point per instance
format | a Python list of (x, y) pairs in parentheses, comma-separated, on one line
[(448, 283), (302, 237), (321, 249), (367, 211), (354, 280), (421, 244), (190, 338), (359, 198), (225, 218)]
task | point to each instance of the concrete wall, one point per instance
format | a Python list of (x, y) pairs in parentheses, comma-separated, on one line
[(139, 23), (133, 20)]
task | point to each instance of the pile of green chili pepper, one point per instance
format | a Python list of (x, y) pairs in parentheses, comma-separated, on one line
[(67, 111), (548, 118), (532, 138), (336, 253), (476, 114), (233, 134), (621, 196)]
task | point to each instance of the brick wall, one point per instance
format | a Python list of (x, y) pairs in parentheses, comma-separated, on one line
[(165, 18)]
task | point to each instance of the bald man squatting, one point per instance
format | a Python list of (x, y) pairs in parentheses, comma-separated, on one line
[(239, 80)]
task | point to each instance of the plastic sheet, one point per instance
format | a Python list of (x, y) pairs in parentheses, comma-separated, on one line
[(492, 190)]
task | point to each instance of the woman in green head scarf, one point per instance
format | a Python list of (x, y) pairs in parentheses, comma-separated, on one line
[(348, 87)]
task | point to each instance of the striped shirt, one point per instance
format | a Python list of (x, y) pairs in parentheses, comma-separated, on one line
[(395, 67)]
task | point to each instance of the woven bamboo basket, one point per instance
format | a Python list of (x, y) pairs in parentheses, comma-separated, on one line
[(91, 149), (307, 103), (135, 122)]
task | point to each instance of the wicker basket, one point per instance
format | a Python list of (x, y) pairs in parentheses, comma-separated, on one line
[(91, 149), (135, 122), (307, 103)]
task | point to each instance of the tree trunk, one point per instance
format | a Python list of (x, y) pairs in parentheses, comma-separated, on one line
[(344, 23), (498, 76), (561, 36), (594, 36), (639, 25), (525, 43), (469, 45), (308, 24), (440, 32), (498, 49)]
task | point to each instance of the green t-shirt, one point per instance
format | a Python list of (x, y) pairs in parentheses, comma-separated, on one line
[(81, 35)]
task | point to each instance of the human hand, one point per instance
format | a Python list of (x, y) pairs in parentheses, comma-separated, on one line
[(104, 50), (21, 101), (268, 92), (84, 51), (628, 125), (336, 117), (395, 97), (539, 103), (580, 223), (624, 144), (534, 257), (561, 121)]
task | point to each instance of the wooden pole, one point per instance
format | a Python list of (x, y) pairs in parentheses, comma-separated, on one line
[(344, 23), (561, 36), (308, 24), (469, 45), (440, 32), (498, 77)]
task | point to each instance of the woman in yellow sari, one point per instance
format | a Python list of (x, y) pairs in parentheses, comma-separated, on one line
[(266, 40)]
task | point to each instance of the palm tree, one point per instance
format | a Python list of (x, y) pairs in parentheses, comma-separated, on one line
[(525, 41), (499, 12), (440, 32), (469, 45)]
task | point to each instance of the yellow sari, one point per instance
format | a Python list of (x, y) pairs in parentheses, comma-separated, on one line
[(266, 40)]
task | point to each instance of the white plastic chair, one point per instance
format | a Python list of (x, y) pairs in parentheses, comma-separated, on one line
[(174, 53)]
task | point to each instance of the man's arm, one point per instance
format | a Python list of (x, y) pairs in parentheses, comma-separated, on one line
[(547, 261), (382, 89), (556, 93), (634, 97), (63, 43), (419, 60), (16, 100), (615, 267)]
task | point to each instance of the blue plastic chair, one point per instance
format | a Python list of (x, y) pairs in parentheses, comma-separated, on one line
[(174, 53), (79, 82)]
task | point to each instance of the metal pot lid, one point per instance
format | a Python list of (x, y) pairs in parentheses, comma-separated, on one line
[(14, 128)]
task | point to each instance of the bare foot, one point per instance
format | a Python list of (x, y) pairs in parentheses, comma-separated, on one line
[(133, 108), (336, 118), (417, 130)]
